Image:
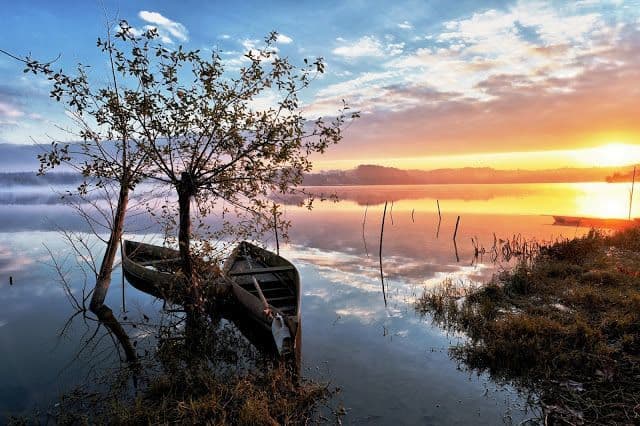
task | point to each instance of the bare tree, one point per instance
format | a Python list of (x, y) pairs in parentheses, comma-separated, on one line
[(200, 127), (105, 156), (181, 119)]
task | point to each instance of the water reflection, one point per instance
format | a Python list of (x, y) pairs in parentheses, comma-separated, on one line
[(598, 199), (391, 364)]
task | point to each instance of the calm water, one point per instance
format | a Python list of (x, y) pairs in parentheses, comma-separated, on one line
[(392, 365)]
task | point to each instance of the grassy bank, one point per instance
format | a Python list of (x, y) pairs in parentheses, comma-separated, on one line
[(200, 397), (565, 325), (228, 381)]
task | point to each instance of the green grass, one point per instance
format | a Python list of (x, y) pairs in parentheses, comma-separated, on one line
[(564, 325)]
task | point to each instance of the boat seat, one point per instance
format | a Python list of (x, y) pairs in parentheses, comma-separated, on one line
[(272, 294), (259, 271), (267, 289), (264, 285), (280, 299), (158, 261), (276, 289)]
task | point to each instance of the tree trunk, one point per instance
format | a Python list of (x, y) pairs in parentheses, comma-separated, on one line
[(194, 304), (186, 191), (104, 275), (103, 280)]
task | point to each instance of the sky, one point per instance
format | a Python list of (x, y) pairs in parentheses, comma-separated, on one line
[(504, 84)]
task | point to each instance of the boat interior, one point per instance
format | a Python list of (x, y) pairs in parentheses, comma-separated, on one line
[(275, 282)]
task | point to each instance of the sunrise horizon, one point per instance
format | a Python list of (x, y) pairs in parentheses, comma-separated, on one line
[(614, 154), (529, 85), (334, 212)]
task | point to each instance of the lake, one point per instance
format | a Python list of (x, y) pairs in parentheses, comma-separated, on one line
[(391, 364)]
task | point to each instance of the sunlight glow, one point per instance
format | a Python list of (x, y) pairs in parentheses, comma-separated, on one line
[(610, 155), (588, 199)]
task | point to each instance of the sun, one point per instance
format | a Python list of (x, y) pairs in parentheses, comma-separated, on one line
[(613, 154)]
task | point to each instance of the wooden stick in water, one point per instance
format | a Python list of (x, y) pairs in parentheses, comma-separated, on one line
[(455, 232), (631, 194), (364, 221), (384, 294), (275, 227), (439, 219), (124, 306)]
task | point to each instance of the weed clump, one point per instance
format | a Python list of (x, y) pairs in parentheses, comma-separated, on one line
[(565, 326)]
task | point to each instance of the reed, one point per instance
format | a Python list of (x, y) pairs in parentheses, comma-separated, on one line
[(633, 182), (364, 221), (384, 293), (275, 227), (561, 324), (455, 232), (439, 219)]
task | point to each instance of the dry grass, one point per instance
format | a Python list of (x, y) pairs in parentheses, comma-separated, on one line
[(228, 383), (565, 326)]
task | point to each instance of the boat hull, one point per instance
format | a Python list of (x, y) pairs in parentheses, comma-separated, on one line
[(594, 222), (165, 283), (278, 278)]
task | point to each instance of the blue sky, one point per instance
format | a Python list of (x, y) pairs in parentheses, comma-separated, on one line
[(431, 77)]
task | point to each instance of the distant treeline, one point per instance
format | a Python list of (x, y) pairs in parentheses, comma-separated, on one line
[(379, 175), (623, 176)]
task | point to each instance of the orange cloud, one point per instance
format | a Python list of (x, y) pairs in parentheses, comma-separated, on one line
[(597, 106)]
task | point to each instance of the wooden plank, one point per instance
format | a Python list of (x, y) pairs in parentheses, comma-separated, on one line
[(158, 262), (276, 289), (264, 300), (258, 271), (279, 300)]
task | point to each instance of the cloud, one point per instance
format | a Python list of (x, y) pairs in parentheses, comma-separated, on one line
[(12, 262), (394, 49), (531, 43), (523, 112), (405, 25), (16, 104), (284, 39), (533, 76), (252, 46), (9, 111), (165, 26), (367, 46), (249, 46)]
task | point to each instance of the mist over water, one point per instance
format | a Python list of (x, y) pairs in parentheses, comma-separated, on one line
[(391, 364)]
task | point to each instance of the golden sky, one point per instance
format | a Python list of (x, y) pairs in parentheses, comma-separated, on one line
[(608, 154)]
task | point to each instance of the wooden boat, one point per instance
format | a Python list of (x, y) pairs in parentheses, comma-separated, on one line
[(153, 270), (267, 287), (594, 222)]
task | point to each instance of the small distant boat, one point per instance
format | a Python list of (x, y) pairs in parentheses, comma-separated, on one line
[(153, 270), (594, 222), (267, 288)]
